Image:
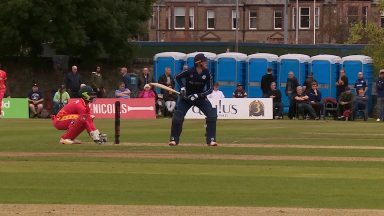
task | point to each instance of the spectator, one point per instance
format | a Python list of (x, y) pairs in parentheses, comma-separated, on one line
[(97, 82), (170, 102), (361, 83), (275, 94), (315, 99), (359, 103), (266, 81), (303, 106), (167, 79), (130, 80), (239, 92), (122, 91), (290, 89), (145, 78), (216, 93), (307, 84), (341, 83), (3, 86), (147, 92), (345, 104), (60, 99), (380, 96), (72, 82), (35, 99)]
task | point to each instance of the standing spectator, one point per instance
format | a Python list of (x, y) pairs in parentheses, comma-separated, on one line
[(341, 83), (60, 99), (145, 78), (122, 91), (290, 89), (216, 93), (266, 81), (167, 79), (35, 99), (72, 82), (3, 86), (361, 83), (307, 84), (97, 82), (239, 92), (345, 104), (147, 92), (315, 98), (380, 96), (275, 94), (360, 103), (301, 99)]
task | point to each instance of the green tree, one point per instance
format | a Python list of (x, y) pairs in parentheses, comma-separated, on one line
[(86, 28)]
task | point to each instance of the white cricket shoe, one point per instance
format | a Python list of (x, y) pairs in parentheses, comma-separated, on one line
[(66, 141), (172, 143), (212, 143), (378, 119), (76, 141)]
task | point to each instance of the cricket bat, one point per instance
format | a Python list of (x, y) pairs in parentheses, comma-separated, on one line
[(158, 85)]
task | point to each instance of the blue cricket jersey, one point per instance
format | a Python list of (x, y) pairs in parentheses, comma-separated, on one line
[(360, 84), (196, 83)]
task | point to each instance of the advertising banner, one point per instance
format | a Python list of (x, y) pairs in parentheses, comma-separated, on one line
[(15, 108), (135, 108), (237, 108)]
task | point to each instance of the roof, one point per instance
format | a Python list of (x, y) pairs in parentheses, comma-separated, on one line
[(175, 55), (362, 58), (302, 58), (269, 57), (331, 58), (209, 55), (235, 55), (232, 2)]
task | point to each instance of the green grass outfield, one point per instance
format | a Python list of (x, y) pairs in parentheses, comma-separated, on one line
[(88, 179)]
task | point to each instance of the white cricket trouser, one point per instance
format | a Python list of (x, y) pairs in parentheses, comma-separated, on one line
[(170, 105)]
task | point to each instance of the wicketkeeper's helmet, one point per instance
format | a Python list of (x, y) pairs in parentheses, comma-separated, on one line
[(87, 93)]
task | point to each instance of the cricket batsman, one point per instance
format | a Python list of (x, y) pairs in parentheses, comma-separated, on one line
[(3, 87), (75, 118), (198, 84)]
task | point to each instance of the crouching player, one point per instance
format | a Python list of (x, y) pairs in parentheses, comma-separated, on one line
[(198, 84), (75, 117)]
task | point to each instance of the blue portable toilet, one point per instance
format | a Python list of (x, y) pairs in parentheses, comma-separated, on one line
[(325, 69), (230, 70), (174, 60), (257, 65), (298, 64), (211, 60)]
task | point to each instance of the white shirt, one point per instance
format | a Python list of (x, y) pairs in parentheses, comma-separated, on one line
[(216, 95)]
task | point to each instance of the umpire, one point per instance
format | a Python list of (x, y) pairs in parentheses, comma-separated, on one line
[(196, 83)]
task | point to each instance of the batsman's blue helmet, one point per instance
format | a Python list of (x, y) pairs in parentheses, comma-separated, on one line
[(200, 58), (87, 93)]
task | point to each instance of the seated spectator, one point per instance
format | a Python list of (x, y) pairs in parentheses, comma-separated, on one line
[(275, 94), (239, 92), (147, 92), (60, 99), (345, 104), (122, 92), (170, 102), (216, 93), (360, 103), (35, 99), (302, 103), (315, 99)]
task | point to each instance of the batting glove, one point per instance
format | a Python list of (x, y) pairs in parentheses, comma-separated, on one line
[(193, 97)]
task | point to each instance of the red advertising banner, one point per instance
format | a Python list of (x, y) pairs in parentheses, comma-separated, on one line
[(134, 108)]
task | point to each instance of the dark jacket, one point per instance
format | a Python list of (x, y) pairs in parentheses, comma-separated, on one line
[(277, 94), (291, 85), (163, 80), (313, 97), (380, 87), (266, 81), (144, 80), (73, 82)]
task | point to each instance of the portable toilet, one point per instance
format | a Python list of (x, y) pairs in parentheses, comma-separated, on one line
[(298, 64), (257, 65), (174, 60), (325, 69), (211, 60), (230, 70)]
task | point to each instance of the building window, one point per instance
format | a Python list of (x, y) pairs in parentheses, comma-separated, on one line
[(317, 17), (278, 19), (179, 18), (252, 20), (305, 20), (234, 19), (191, 18), (210, 19), (364, 11), (353, 15), (382, 19)]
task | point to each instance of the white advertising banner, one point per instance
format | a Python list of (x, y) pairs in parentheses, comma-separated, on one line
[(237, 108)]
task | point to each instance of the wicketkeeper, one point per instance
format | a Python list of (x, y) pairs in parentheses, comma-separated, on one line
[(75, 118), (198, 84)]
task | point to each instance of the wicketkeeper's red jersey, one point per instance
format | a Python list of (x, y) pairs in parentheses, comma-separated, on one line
[(74, 107), (3, 77)]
